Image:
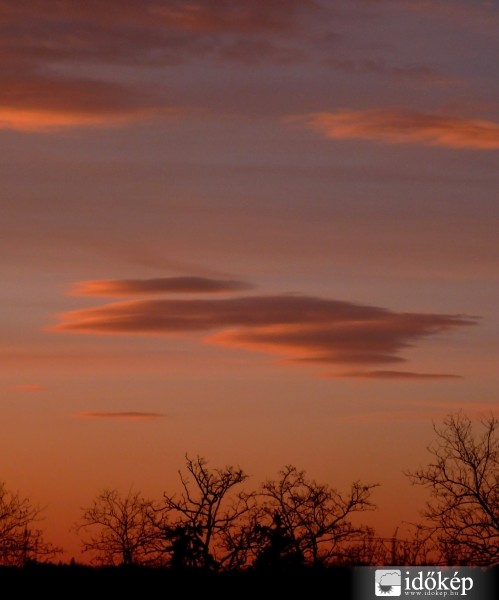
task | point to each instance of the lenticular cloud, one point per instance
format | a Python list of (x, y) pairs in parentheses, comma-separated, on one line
[(299, 329)]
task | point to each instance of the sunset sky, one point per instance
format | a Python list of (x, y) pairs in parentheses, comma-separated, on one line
[(261, 231)]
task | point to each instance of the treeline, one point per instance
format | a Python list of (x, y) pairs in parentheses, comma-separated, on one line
[(217, 523)]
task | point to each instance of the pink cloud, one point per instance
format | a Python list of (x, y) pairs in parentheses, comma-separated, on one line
[(404, 127), (26, 387)]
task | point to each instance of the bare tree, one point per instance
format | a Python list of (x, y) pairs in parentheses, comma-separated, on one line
[(311, 522), (202, 525), (119, 529), (20, 541), (463, 479)]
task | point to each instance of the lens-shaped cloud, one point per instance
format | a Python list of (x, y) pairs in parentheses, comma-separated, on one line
[(301, 329), (172, 285)]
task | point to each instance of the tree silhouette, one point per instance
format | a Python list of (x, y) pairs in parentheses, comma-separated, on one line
[(463, 478), (310, 521), (120, 529), (278, 550), (20, 541), (186, 547), (199, 525)]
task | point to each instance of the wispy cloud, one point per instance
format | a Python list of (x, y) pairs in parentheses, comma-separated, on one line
[(48, 51), (302, 329), (404, 127), (139, 32), (171, 285), (398, 375), (216, 15), (49, 120), (482, 16), (26, 387), (123, 416), (406, 73), (33, 101)]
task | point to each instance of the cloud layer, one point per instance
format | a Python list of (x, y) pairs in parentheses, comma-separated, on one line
[(407, 375), (301, 329), (126, 416), (71, 64), (64, 63), (26, 387), (172, 285), (405, 127)]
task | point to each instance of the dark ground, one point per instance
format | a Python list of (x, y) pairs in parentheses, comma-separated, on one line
[(39, 580), (64, 581)]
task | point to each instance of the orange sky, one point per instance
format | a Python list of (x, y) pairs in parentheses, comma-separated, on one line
[(264, 232)]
